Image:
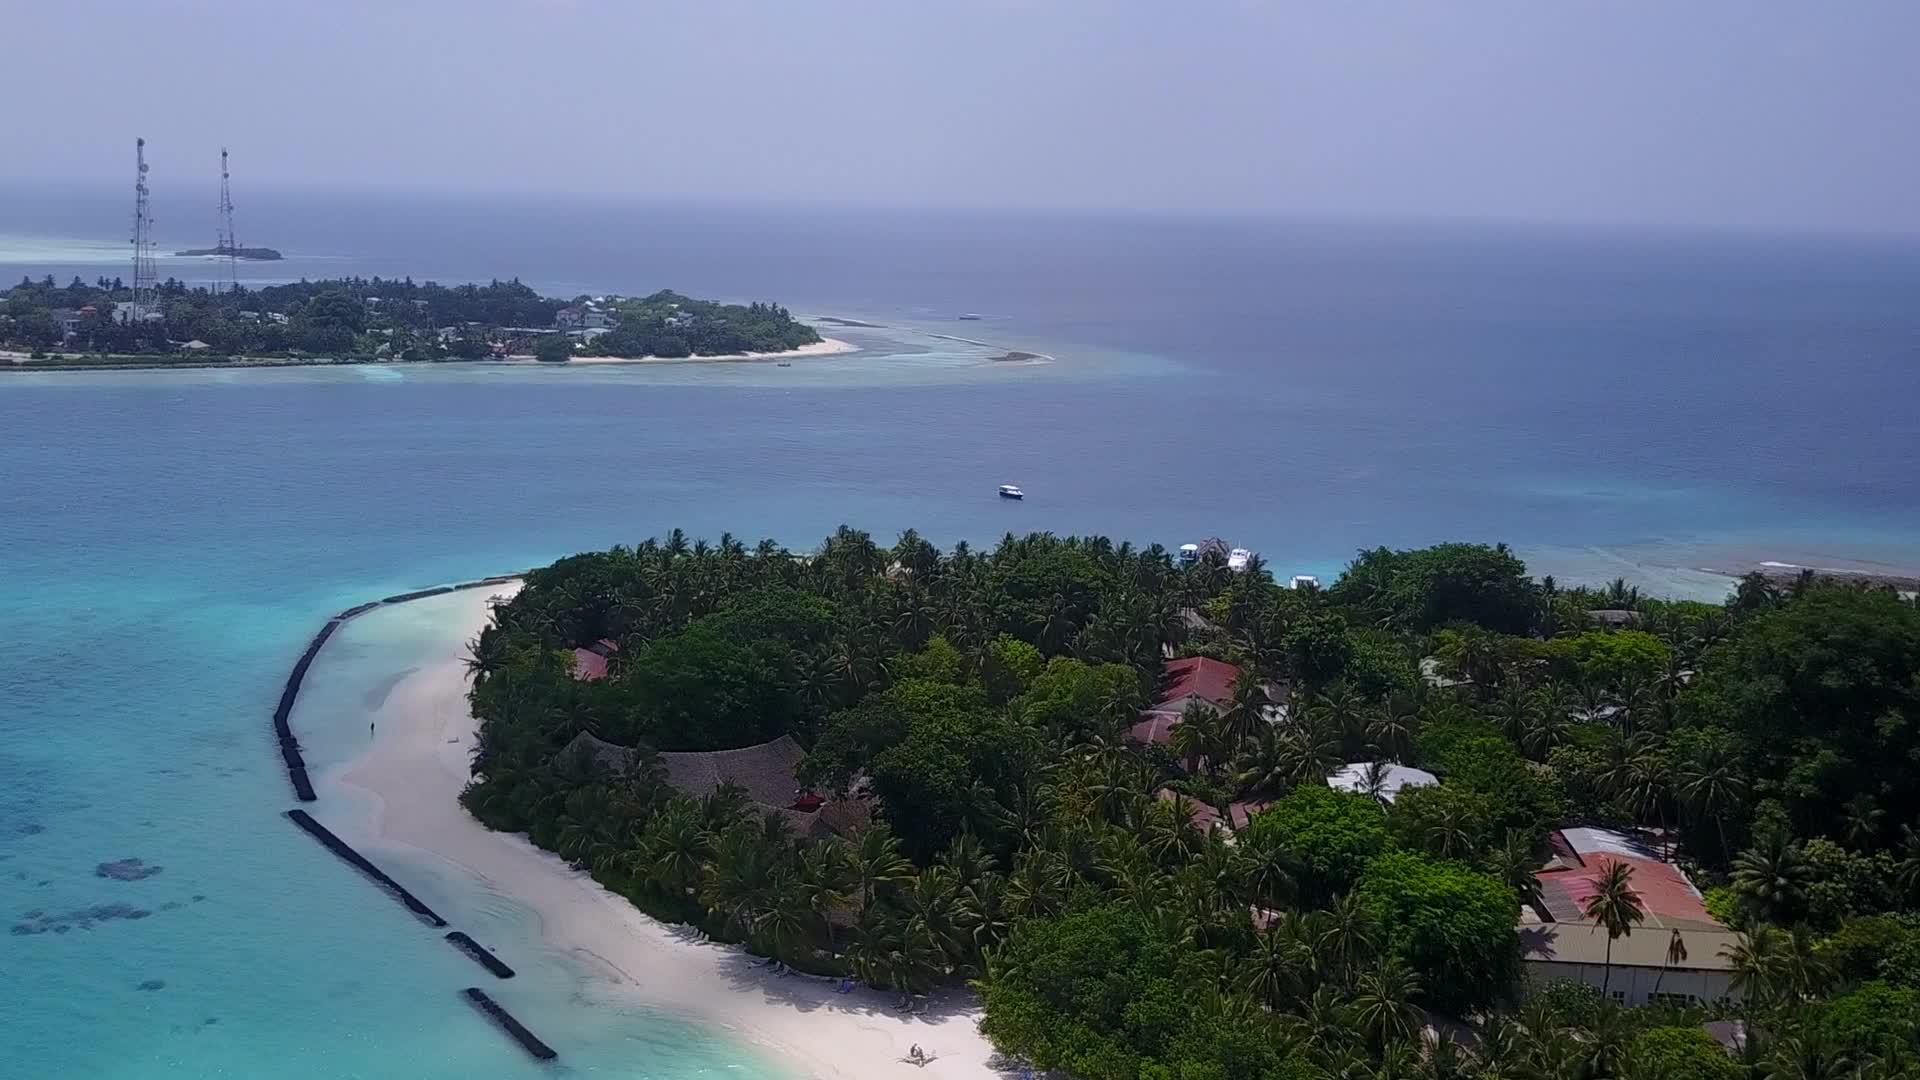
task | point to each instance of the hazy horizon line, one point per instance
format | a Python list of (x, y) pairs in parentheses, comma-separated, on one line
[(1225, 215)]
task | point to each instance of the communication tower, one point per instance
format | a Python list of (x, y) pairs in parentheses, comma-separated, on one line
[(143, 269), (228, 242)]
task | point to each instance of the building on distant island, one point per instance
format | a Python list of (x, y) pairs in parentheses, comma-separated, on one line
[(126, 312), (1677, 954), (587, 316)]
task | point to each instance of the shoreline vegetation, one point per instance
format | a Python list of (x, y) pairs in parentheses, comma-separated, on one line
[(10, 361), (416, 769), (943, 783), (373, 320), (251, 254)]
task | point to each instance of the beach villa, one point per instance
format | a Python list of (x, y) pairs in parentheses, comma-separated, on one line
[(590, 663), (767, 772), (1195, 680), (1676, 954)]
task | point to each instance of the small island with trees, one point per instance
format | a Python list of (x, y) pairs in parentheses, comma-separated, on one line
[(251, 254), (944, 776), (370, 320)]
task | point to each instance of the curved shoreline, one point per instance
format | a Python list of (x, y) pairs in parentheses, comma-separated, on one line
[(414, 771), (290, 694), (24, 364)]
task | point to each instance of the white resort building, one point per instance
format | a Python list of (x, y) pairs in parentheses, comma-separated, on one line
[(1677, 953)]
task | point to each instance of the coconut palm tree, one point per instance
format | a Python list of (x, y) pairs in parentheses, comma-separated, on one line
[(1341, 712), (1808, 1054), (487, 654), (1278, 970), (1676, 954), (1616, 907), (787, 920), (1549, 727), (1771, 877), (1312, 753), (1713, 785), (1518, 709), (674, 849), (1349, 937), (1266, 868), (878, 863), (1246, 713), (1804, 971), (1392, 728), (1907, 875), (1375, 779), (1757, 962), (1194, 736), (1863, 821), (1516, 862), (739, 883), (824, 875), (1383, 1007)]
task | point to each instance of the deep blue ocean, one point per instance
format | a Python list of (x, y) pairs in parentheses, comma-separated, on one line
[(1621, 403)]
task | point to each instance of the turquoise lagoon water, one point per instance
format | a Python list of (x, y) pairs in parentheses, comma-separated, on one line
[(1613, 405)]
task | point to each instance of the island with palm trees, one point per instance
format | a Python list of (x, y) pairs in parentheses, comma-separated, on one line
[(912, 768)]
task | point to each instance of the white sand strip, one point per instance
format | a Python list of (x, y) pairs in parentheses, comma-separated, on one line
[(416, 769), (823, 347)]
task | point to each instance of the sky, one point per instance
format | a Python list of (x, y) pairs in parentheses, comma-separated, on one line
[(1770, 113)]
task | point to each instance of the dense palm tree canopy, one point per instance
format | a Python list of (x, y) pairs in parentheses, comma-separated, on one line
[(1209, 907)]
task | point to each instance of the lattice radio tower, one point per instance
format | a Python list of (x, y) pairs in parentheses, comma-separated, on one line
[(143, 269), (228, 242)]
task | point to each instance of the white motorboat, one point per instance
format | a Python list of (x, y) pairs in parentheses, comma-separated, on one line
[(1189, 554), (1010, 491), (1237, 559)]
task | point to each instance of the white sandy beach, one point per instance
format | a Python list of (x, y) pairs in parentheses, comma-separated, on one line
[(823, 347), (416, 769)]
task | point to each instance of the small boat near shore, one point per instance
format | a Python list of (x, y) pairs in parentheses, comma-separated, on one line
[(1011, 491)]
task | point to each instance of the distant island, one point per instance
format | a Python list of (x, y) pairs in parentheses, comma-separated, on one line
[(256, 254), (371, 320)]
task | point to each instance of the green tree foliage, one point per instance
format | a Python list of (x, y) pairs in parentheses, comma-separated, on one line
[(1047, 597), (553, 349), (1329, 835), (1009, 667), (1859, 948), (1076, 700), (1103, 994), (668, 324), (703, 690), (396, 319), (1823, 692), (1442, 820), (1872, 1015), (1615, 657), (1681, 1053), (1427, 588), (1520, 798), (974, 708), (1451, 924)]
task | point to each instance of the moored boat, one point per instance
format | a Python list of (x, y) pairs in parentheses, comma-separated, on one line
[(1010, 491)]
